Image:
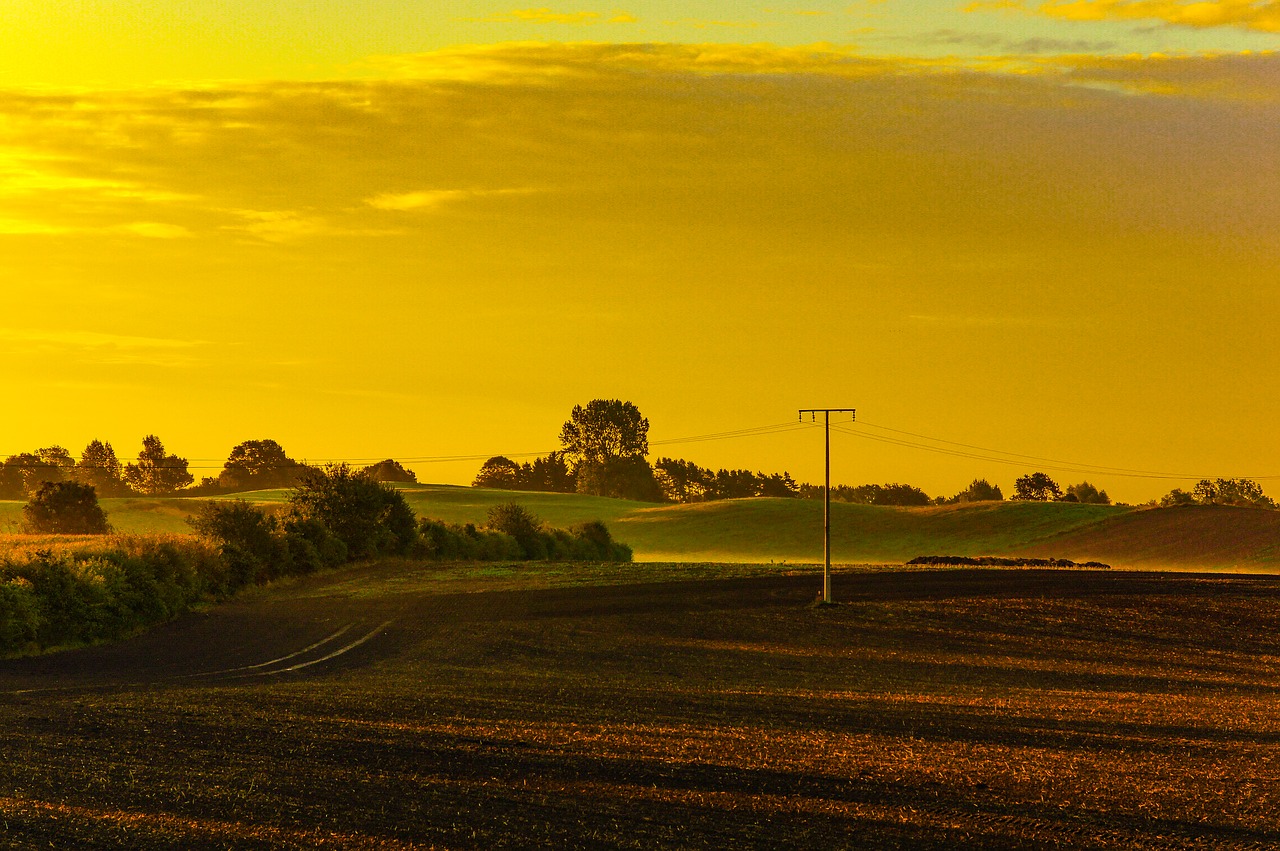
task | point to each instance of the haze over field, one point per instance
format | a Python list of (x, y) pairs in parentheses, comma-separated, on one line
[(1042, 228)]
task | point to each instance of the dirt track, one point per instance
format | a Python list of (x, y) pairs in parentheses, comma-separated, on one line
[(935, 709)]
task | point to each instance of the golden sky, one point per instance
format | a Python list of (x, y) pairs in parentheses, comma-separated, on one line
[(379, 229)]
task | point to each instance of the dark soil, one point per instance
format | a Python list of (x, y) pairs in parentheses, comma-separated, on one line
[(932, 709)]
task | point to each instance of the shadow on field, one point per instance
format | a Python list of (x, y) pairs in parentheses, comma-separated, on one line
[(932, 709)]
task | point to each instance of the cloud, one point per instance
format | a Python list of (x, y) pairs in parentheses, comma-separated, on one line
[(706, 24), (154, 230), (280, 226), (999, 43), (544, 15), (92, 339), (1261, 15), (433, 199)]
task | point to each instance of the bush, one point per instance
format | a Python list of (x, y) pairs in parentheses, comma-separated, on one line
[(368, 517), (19, 614), (65, 508), (518, 522), (248, 538), (440, 541), (52, 599)]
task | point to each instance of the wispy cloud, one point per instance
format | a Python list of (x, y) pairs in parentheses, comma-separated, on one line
[(544, 15), (433, 199), (707, 23), (93, 340), (1002, 44), (1261, 15)]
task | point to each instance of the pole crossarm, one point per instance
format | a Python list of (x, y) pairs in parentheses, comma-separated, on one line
[(826, 491), (816, 411)]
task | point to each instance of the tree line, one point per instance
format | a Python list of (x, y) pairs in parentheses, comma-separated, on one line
[(603, 452), (604, 447), (251, 465)]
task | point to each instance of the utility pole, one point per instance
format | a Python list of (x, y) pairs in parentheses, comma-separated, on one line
[(826, 490)]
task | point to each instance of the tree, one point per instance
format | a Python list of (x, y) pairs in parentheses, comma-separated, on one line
[(605, 430), (979, 490), (1238, 492), (549, 473), (370, 518), (682, 481), (778, 485), (157, 473), (100, 468), (498, 472), (608, 441), (517, 521), (257, 465), (1087, 494), (1177, 497), (620, 478), (13, 474), (390, 471), (65, 508), (1036, 487)]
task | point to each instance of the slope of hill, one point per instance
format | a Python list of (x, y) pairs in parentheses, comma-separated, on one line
[(790, 530), (1199, 536)]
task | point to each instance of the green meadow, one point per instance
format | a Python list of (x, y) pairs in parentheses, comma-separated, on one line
[(746, 530), (781, 531)]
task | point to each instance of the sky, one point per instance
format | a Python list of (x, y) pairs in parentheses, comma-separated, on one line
[(1016, 236)]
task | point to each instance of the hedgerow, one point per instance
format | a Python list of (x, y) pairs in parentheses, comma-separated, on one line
[(50, 598), (56, 597)]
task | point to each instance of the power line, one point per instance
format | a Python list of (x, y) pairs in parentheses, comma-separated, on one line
[(1016, 459)]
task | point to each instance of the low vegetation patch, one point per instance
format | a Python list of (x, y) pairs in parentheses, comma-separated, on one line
[(81, 594), (997, 561)]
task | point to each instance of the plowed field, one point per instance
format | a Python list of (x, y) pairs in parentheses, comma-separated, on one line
[(404, 706)]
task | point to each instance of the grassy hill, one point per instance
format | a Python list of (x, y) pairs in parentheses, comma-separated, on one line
[(1194, 536), (790, 530)]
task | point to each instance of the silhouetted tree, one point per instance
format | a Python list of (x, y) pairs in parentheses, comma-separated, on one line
[(257, 465), (390, 470), (499, 472), (777, 485), (1087, 494), (22, 474), (608, 440), (620, 478), (548, 473), (1239, 492), (100, 468), (605, 430), (682, 481), (979, 490), (1036, 487), (65, 508), (1176, 497), (156, 472)]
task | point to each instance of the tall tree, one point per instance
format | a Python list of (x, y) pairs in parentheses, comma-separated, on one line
[(100, 468), (608, 440), (605, 430), (156, 472)]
